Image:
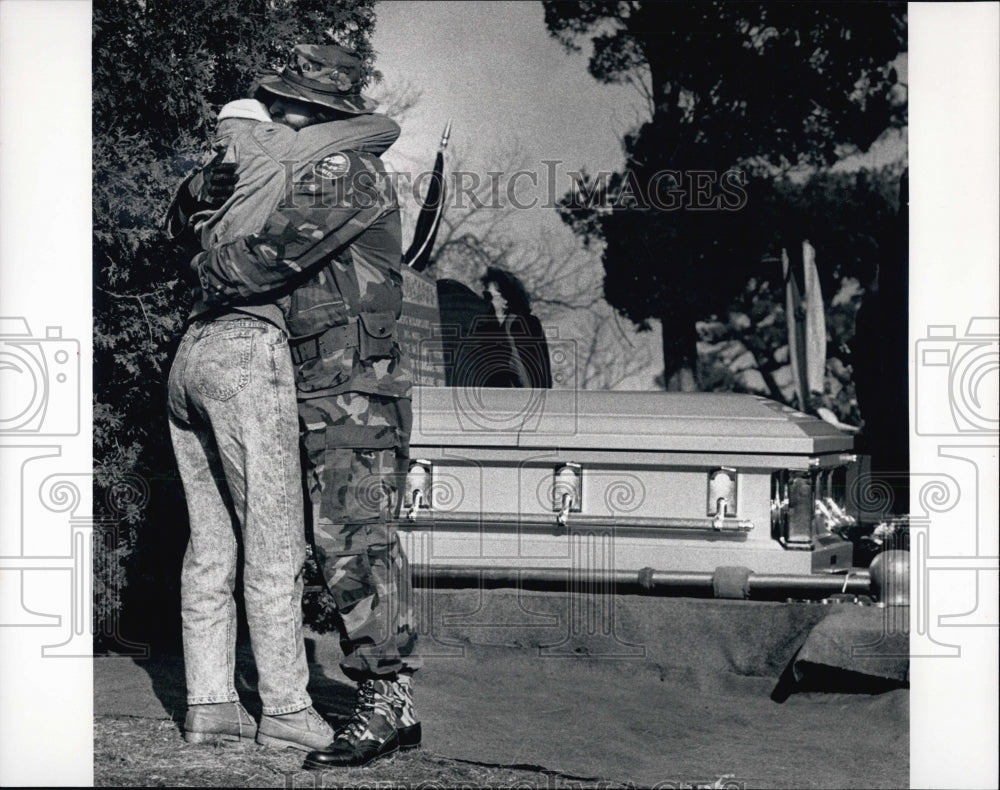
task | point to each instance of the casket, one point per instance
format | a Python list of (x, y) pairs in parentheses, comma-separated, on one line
[(602, 480)]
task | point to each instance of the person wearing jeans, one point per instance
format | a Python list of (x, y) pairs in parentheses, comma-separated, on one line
[(234, 424)]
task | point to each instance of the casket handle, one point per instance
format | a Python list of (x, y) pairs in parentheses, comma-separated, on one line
[(567, 502)]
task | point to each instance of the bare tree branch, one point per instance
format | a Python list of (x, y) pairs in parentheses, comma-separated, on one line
[(397, 99), (480, 228)]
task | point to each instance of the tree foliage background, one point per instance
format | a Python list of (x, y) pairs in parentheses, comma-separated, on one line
[(161, 70), (850, 218), (763, 87)]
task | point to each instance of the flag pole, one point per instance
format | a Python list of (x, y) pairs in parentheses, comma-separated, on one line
[(417, 256)]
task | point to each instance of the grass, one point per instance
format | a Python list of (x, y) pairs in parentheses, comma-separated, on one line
[(140, 752)]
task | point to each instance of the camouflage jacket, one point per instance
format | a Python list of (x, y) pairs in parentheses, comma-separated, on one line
[(333, 248)]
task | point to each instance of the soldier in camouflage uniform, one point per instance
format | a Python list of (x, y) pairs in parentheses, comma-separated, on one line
[(330, 256)]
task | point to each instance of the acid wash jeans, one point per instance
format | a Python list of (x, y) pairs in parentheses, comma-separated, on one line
[(234, 427)]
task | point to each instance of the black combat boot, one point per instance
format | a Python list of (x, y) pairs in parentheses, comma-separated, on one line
[(368, 735), (407, 726)]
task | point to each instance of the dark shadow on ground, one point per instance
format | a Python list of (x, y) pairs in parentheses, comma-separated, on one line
[(331, 698), (819, 678), (166, 673)]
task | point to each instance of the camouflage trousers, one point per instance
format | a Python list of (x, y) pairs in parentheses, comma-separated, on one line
[(356, 451)]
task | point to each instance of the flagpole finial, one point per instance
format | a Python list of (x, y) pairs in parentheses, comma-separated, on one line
[(446, 135)]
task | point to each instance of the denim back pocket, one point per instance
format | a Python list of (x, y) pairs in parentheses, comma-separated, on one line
[(219, 367)]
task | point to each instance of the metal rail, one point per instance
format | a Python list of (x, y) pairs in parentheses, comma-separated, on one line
[(856, 582), (575, 520)]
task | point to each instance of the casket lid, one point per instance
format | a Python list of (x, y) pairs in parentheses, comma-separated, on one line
[(617, 420)]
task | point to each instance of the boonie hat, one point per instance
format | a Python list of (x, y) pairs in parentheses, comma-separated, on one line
[(323, 74)]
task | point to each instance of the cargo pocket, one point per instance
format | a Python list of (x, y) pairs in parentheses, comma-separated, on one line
[(220, 364), (375, 335), (325, 372), (354, 488)]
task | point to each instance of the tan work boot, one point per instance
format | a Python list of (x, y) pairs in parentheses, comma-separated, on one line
[(305, 730), (218, 721), (368, 735)]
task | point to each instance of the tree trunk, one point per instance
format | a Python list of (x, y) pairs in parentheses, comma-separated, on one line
[(680, 353)]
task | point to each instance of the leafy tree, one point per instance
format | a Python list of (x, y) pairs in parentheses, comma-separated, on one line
[(763, 87), (161, 70), (858, 215)]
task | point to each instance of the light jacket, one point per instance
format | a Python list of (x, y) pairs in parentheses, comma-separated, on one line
[(329, 252)]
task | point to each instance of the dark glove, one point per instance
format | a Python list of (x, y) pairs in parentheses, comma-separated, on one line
[(207, 188), (215, 183), (204, 189)]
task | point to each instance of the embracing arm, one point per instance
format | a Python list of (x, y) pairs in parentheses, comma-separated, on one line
[(203, 190), (344, 195)]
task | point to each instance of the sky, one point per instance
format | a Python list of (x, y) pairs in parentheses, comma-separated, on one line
[(503, 80), (506, 84)]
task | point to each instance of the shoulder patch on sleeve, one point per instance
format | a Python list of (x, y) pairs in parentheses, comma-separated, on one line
[(332, 166)]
